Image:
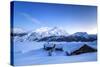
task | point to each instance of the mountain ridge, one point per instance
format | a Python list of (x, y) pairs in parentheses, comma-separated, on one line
[(56, 34)]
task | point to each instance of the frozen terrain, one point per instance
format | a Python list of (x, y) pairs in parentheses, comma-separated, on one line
[(29, 48), (31, 59), (32, 53)]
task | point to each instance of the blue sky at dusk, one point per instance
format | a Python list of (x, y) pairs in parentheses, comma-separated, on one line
[(72, 18)]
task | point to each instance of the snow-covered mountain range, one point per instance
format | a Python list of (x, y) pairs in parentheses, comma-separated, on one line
[(46, 32), (50, 34)]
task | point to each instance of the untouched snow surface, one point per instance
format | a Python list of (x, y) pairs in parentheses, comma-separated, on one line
[(31, 59), (32, 53)]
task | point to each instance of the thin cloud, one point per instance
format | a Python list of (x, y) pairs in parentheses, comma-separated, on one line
[(30, 18)]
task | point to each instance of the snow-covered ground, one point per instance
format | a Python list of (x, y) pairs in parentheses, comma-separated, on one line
[(32, 53)]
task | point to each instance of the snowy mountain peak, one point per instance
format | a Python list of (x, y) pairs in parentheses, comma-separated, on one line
[(80, 33), (55, 31), (58, 31), (84, 34), (42, 29)]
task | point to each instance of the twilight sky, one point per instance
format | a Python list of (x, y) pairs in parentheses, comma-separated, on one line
[(72, 18)]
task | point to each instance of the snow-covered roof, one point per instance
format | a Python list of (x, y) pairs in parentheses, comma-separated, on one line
[(92, 44), (72, 46)]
